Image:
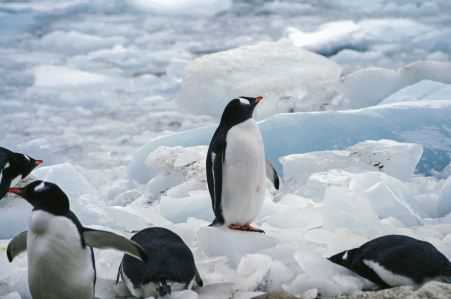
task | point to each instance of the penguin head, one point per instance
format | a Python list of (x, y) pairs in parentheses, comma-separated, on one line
[(239, 110), (44, 196), (20, 164)]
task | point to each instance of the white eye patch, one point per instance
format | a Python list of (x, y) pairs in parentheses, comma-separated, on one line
[(6, 166), (39, 187), (244, 101), (28, 158)]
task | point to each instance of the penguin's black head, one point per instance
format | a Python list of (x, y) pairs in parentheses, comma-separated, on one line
[(20, 164), (44, 196), (239, 110)]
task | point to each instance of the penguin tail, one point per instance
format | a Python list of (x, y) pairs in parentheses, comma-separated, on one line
[(216, 222), (163, 288), (119, 273), (198, 279)]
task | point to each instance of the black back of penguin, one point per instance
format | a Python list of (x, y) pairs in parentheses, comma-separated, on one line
[(417, 260), (169, 258)]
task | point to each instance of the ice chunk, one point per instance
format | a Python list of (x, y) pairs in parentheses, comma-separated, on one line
[(321, 274), (182, 7), (232, 244), (278, 274), (444, 201), (370, 86), (330, 38), (290, 79), (62, 76), (334, 37), (340, 206), (252, 271), (394, 158), (80, 42), (179, 209), (335, 130), (425, 90), (387, 203)]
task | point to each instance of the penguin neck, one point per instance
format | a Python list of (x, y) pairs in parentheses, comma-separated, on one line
[(229, 123)]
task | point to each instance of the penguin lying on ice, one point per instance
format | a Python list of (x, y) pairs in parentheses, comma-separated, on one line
[(170, 265), (395, 260), (61, 260), (13, 168), (236, 167)]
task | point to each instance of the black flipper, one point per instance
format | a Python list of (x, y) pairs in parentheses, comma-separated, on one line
[(108, 240), (215, 160), (272, 175), (16, 246)]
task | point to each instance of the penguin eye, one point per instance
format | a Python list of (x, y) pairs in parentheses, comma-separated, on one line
[(244, 101)]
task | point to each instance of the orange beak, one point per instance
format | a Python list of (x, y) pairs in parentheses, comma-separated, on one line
[(258, 99), (38, 162)]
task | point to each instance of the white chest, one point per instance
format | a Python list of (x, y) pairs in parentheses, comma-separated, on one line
[(58, 265), (243, 173)]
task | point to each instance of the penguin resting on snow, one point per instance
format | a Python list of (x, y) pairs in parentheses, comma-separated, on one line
[(170, 265), (13, 168), (61, 260), (236, 167), (395, 260)]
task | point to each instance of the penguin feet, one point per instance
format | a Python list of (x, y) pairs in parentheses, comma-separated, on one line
[(246, 227)]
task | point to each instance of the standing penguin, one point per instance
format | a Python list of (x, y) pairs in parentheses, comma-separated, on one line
[(13, 167), (236, 167), (60, 257), (170, 265), (396, 260)]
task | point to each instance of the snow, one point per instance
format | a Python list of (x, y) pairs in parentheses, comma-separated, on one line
[(288, 77), (120, 99)]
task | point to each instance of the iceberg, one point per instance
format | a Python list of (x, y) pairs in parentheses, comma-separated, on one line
[(288, 77)]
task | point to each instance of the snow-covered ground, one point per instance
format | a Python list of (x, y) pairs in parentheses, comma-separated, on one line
[(120, 97)]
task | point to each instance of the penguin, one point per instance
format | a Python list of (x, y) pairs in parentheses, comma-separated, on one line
[(170, 265), (396, 260), (13, 168), (236, 167), (61, 262)]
